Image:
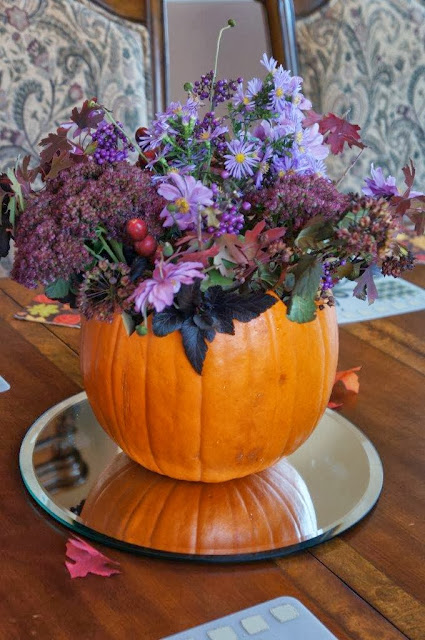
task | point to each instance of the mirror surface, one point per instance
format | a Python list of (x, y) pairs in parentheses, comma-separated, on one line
[(80, 477)]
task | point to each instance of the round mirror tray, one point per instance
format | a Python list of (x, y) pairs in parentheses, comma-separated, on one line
[(81, 478)]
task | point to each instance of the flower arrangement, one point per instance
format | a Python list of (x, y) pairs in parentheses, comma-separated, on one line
[(201, 216)]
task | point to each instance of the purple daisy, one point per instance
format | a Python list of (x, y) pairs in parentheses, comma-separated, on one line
[(269, 63), (263, 167), (254, 87), (279, 95), (312, 142), (378, 186), (166, 281), (242, 157), (187, 194)]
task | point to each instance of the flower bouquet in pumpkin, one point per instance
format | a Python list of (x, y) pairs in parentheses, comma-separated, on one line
[(214, 242)]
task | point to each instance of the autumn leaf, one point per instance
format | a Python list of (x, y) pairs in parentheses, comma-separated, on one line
[(349, 379), (345, 382), (311, 118), (55, 143), (86, 559), (88, 117), (338, 131), (409, 174)]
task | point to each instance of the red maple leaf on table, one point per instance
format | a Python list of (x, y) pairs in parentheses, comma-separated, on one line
[(337, 131), (350, 383), (87, 560)]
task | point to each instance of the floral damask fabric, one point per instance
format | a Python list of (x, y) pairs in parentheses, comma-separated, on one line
[(367, 57), (54, 54)]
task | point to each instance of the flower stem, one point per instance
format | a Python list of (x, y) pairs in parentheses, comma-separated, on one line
[(231, 23)]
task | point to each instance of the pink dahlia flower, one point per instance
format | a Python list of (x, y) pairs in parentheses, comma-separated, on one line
[(166, 281)]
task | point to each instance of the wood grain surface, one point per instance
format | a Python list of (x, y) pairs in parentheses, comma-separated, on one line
[(367, 584)]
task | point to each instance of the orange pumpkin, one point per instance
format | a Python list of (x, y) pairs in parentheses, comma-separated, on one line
[(261, 393), (262, 512)]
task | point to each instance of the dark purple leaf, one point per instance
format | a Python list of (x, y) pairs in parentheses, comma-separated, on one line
[(366, 286)]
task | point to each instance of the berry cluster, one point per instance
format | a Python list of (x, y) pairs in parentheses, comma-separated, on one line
[(112, 143), (230, 222), (208, 124), (144, 244), (224, 90), (221, 90), (329, 270)]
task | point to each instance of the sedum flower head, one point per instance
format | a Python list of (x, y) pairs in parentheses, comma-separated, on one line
[(53, 229)]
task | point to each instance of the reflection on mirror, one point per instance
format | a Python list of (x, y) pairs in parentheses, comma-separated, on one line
[(80, 477)]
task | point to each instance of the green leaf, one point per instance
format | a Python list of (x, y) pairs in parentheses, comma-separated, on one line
[(17, 189), (267, 275), (314, 236), (117, 249), (57, 289), (289, 281), (128, 322), (302, 307), (212, 220), (215, 278)]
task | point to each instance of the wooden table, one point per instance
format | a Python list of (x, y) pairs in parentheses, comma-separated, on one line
[(368, 583)]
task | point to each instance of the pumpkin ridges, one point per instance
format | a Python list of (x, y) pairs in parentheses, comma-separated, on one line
[(158, 512), (260, 506), (292, 399), (114, 370), (174, 415), (146, 403), (96, 368), (288, 506), (135, 360), (249, 399), (126, 529)]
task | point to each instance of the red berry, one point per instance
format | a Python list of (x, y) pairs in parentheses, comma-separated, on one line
[(137, 229), (146, 247)]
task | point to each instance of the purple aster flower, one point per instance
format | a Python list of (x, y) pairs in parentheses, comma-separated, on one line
[(312, 142), (285, 164), (166, 281), (242, 158), (254, 87), (212, 132), (377, 186), (309, 165), (269, 63), (187, 194), (279, 95), (159, 129), (185, 111), (242, 98), (263, 167)]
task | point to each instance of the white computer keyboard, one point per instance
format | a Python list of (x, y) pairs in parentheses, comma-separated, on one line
[(284, 618)]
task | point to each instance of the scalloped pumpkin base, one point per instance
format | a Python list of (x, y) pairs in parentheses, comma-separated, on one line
[(261, 512)]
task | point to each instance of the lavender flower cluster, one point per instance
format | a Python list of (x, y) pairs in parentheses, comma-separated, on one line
[(242, 200)]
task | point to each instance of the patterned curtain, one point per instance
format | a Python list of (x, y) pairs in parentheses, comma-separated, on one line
[(56, 53), (367, 58)]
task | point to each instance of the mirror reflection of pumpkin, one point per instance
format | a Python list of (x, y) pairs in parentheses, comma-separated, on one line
[(260, 512)]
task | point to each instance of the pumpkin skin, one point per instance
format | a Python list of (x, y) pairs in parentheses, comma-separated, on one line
[(262, 512), (261, 393)]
